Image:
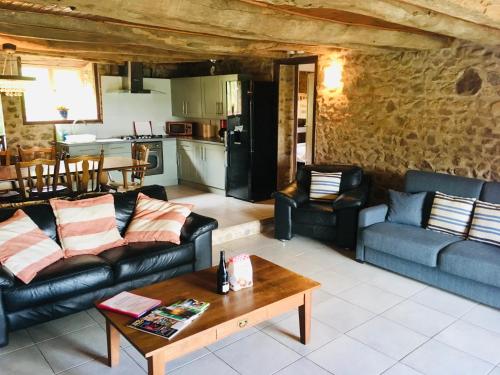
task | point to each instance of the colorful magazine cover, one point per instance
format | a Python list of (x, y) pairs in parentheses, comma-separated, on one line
[(158, 325), (184, 310)]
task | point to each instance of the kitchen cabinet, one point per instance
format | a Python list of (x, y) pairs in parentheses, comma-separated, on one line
[(202, 163), (201, 97), (186, 97)]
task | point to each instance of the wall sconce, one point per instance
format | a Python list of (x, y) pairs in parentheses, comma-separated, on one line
[(333, 76)]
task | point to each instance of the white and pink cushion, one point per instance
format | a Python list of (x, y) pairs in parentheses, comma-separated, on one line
[(157, 220), (86, 226), (24, 248)]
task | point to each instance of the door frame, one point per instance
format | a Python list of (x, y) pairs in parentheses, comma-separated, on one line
[(298, 61)]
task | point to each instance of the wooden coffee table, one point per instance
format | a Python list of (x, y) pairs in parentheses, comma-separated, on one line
[(275, 291)]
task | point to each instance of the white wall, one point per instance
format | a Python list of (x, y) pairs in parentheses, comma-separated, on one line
[(121, 109)]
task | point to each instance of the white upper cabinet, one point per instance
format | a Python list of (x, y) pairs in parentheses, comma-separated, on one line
[(186, 97), (200, 97)]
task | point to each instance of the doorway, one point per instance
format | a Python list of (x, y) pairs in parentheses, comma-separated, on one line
[(296, 115)]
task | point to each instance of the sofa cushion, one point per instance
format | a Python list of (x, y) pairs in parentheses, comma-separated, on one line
[(485, 226), (24, 248), (324, 186), (157, 220), (406, 208), (143, 258), (64, 278), (451, 214), (491, 192), (472, 260), (87, 226), (407, 242), (315, 213), (40, 213)]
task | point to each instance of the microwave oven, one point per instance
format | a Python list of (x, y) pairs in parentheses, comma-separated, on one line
[(174, 128)]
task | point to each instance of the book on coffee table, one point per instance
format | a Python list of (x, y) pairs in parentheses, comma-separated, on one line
[(167, 321), (129, 304)]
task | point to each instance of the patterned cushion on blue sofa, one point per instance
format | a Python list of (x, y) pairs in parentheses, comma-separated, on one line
[(485, 225)]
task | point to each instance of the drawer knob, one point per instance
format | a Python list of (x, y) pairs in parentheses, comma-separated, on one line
[(243, 323)]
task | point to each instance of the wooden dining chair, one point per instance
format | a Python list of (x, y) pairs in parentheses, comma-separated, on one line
[(38, 179), (8, 189), (28, 154), (137, 174), (84, 171)]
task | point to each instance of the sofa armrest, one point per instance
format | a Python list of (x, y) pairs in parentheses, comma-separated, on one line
[(355, 198), (291, 195), (372, 215), (196, 225), (6, 278)]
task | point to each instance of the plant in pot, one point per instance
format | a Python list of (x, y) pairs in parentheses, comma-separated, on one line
[(63, 111)]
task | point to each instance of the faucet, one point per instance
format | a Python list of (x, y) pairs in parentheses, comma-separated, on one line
[(75, 122)]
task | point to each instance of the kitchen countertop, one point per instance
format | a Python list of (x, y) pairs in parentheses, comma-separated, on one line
[(215, 140), (104, 141)]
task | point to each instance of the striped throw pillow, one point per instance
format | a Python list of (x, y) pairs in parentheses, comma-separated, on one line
[(86, 226), (24, 248), (485, 225), (157, 220), (451, 214), (324, 186)]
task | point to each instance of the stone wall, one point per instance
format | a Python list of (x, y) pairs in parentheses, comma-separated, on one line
[(429, 110)]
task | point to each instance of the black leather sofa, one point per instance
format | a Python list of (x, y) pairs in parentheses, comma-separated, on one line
[(73, 284), (333, 221)]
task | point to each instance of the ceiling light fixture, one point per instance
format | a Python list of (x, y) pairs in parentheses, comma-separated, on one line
[(11, 82)]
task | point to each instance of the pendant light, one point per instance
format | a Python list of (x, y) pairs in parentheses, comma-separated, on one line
[(11, 82)]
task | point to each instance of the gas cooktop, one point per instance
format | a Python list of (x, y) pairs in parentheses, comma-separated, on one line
[(144, 136)]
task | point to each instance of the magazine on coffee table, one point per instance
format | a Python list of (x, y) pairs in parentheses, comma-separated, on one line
[(129, 304), (168, 321)]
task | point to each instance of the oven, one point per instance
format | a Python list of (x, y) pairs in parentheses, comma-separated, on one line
[(155, 158)]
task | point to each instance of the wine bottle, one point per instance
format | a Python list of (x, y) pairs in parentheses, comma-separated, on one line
[(222, 275)]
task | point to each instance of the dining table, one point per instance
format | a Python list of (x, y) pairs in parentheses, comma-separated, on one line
[(111, 163)]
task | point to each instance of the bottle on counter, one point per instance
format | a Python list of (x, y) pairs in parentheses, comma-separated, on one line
[(222, 275)]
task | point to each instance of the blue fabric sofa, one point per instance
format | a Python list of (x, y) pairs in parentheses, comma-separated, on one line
[(464, 267)]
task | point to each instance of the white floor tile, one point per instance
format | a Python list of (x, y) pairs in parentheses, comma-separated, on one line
[(371, 298), (58, 327), (363, 272), (172, 365), (448, 303), (17, 340), (257, 354), (288, 333), (341, 315), (419, 318), (345, 356), (97, 316), (303, 367), (319, 296), (397, 284), (27, 361), (484, 316), (472, 339), (276, 319), (496, 371), (387, 337), (334, 283), (75, 348), (209, 364), (400, 369), (435, 358), (126, 367)]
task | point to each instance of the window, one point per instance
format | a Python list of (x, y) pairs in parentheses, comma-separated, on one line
[(74, 88)]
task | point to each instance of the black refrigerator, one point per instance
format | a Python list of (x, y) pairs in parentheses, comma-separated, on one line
[(251, 140)]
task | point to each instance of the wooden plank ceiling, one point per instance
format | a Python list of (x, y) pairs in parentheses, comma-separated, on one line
[(180, 31)]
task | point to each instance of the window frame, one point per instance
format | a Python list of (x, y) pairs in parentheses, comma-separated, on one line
[(98, 120)]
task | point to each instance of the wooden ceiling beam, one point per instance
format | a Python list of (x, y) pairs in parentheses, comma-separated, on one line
[(402, 12), (70, 29), (483, 12), (240, 20)]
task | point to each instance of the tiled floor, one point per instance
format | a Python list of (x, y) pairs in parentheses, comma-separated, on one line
[(228, 211), (365, 321)]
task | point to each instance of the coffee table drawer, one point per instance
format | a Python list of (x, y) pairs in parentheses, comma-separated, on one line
[(248, 320)]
